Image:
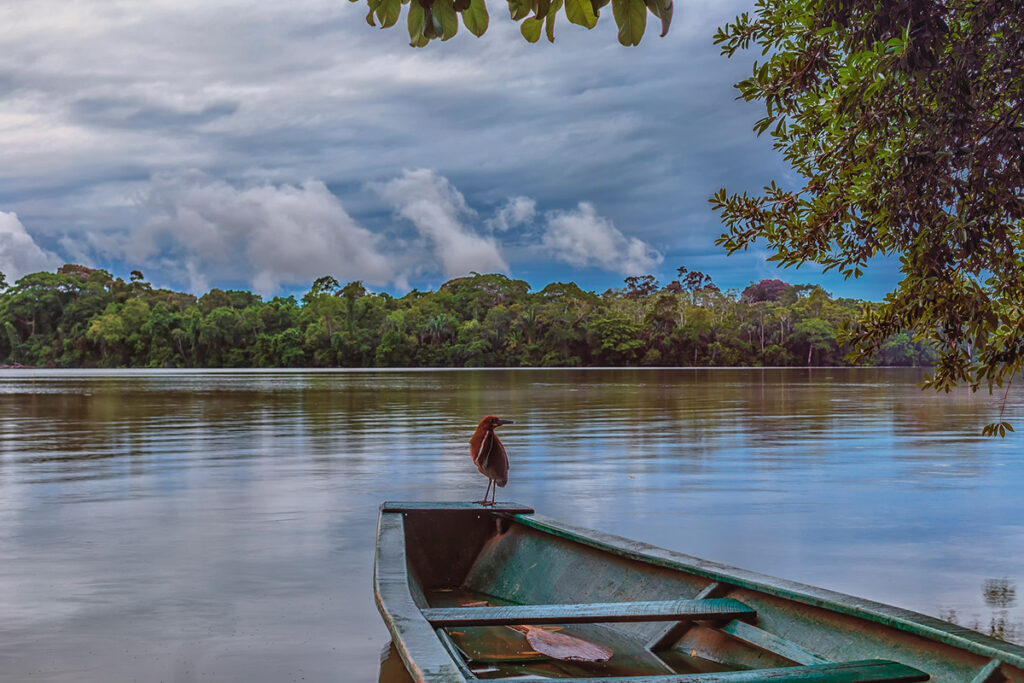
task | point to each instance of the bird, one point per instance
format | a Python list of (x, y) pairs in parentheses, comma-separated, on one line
[(489, 455)]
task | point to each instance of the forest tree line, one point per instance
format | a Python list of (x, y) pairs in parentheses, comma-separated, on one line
[(81, 317)]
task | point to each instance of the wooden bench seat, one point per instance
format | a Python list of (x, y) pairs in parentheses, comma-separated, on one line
[(867, 671), (589, 613)]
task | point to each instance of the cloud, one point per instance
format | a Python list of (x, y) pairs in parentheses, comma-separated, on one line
[(267, 235), (437, 209), (19, 253), (514, 212), (582, 238), (97, 102)]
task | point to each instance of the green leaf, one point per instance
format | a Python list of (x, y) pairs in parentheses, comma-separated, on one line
[(596, 5), (530, 29), (373, 5), (520, 9), (581, 13), (475, 18), (417, 21), (663, 10), (388, 12), (631, 18), (549, 23), (444, 12), (542, 7)]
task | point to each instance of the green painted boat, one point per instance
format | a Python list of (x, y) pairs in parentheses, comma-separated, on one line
[(471, 592)]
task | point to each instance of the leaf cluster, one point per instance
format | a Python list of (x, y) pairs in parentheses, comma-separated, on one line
[(904, 121), (430, 19)]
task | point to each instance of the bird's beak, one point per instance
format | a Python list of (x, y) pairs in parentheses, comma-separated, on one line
[(504, 422)]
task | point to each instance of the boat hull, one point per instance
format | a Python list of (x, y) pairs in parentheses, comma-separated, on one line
[(431, 556)]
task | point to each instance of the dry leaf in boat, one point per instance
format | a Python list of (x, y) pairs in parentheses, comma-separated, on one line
[(562, 646), (476, 603)]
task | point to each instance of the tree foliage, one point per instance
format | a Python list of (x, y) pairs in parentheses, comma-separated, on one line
[(905, 121), (767, 290), (430, 19), (80, 317)]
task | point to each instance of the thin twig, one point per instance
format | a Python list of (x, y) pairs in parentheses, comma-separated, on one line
[(1006, 393)]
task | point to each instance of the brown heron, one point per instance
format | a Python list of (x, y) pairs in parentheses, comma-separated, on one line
[(489, 455)]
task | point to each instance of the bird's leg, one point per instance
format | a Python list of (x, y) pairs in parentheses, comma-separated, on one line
[(484, 501), (494, 495)]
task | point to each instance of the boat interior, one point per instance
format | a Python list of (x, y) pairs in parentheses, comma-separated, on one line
[(515, 598)]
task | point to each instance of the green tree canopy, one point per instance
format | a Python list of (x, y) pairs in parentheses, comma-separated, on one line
[(82, 317), (905, 121)]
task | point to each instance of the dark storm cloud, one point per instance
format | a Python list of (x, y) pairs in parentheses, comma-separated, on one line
[(108, 106), (138, 114)]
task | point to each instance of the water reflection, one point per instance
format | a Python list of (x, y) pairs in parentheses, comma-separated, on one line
[(183, 525), (392, 670), (1000, 595)]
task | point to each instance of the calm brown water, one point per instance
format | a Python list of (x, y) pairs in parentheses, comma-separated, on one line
[(187, 526)]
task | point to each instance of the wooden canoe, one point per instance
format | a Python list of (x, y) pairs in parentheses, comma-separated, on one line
[(471, 592)]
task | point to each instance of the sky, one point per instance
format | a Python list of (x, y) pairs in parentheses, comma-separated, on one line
[(261, 145)]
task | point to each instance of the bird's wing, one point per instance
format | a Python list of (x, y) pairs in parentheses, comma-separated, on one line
[(500, 459), (491, 459), (484, 452)]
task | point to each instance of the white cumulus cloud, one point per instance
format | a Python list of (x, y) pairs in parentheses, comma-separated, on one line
[(19, 253), (514, 212), (267, 235), (437, 210), (583, 238)]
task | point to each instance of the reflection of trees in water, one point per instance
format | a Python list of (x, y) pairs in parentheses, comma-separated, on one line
[(999, 595)]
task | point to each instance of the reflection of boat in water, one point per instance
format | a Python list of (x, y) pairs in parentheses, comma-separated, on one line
[(471, 592), (392, 669)]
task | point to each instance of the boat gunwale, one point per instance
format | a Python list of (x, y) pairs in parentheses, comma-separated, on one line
[(902, 619), (423, 654)]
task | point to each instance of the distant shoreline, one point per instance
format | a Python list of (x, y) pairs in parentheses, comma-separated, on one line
[(82, 317)]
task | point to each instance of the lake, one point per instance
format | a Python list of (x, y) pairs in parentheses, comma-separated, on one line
[(215, 525)]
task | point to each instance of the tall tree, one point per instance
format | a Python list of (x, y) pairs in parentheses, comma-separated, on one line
[(905, 121), (640, 286), (322, 301)]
